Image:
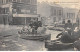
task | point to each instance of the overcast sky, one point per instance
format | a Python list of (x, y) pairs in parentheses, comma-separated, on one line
[(64, 3), (59, 0)]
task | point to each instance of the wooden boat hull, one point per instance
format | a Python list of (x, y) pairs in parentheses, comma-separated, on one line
[(35, 37), (56, 46), (56, 29)]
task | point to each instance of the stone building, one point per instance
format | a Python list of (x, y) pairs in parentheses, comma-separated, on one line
[(50, 13), (43, 9), (56, 13), (70, 14), (18, 11)]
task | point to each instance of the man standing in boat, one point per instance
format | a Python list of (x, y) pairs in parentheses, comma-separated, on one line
[(34, 26), (66, 35), (69, 27), (63, 22)]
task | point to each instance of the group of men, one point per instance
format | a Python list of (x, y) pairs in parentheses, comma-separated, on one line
[(71, 36), (35, 25), (65, 35)]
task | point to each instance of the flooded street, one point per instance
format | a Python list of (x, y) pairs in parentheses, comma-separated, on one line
[(53, 34), (11, 41), (37, 25)]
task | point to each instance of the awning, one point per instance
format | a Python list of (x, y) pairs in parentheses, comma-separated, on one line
[(24, 15)]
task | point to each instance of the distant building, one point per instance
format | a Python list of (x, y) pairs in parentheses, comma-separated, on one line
[(50, 12), (78, 19), (43, 9), (18, 11), (71, 14), (56, 13)]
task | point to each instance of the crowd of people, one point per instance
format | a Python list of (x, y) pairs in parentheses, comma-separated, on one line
[(32, 27), (35, 25), (71, 34)]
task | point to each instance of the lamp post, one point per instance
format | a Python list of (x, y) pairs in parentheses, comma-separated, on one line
[(25, 21)]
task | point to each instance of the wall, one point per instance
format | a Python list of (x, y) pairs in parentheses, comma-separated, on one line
[(47, 11), (56, 13), (71, 14), (25, 5), (43, 9)]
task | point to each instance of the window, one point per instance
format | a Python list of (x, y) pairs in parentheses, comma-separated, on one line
[(7, 1), (28, 1), (54, 19), (60, 13), (6, 10), (14, 11), (10, 0), (25, 11), (55, 12), (2, 10), (0, 1), (4, 1), (67, 15), (33, 9), (35, 12), (34, 2), (24, 1), (14, 0), (18, 0)]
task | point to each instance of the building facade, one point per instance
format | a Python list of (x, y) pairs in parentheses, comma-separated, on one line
[(44, 11), (50, 12), (18, 11), (70, 14), (56, 13)]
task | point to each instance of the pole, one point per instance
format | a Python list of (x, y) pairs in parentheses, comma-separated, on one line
[(25, 21), (78, 23)]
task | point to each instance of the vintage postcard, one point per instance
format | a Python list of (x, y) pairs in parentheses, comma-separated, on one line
[(39, 25)]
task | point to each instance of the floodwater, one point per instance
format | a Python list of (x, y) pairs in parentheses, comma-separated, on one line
[(14, 43), (31, 45)]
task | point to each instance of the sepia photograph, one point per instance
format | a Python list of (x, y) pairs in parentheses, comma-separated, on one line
[(39, 25)]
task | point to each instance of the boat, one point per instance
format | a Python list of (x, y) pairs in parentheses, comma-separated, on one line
[(34, 36), (57, 45), (59, 27), (64, 41)]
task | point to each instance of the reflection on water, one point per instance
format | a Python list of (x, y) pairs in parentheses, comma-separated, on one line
[(14, 43), (37, 45), (53, 34), (32, 45)]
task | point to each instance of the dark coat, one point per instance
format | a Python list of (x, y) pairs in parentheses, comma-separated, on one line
[(77, 45), (69, 25)]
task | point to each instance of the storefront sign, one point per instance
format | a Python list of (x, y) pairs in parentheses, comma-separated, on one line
[(24, 15)]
